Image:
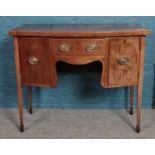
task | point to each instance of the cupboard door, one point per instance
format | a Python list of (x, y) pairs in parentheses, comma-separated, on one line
[(35, 61), (123, 61)]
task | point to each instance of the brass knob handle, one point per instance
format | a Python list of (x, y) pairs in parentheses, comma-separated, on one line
[(65, 47), (91, 47), (123, 61), (33, 60)]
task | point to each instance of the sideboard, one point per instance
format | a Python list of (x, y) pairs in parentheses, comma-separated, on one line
[(118, 47)]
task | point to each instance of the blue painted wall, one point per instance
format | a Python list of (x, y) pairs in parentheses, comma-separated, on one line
[(79, 87)]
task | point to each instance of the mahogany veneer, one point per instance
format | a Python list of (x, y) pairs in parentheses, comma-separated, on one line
[(119, 48)]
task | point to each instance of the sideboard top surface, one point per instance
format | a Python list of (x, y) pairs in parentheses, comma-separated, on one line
[(80, 30)]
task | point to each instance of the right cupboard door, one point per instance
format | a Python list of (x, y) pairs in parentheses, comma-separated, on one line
[(123, 61)]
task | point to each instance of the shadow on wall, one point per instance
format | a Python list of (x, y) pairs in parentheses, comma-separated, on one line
[(153, 98), (88, 88)]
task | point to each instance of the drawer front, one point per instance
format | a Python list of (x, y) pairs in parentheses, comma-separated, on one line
[(75, 47), (35, 61), (123, 61)]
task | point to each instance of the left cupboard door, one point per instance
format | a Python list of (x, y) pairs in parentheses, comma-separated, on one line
[(35, 61)]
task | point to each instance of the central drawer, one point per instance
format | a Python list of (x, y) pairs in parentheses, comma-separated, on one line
[(78, 47)]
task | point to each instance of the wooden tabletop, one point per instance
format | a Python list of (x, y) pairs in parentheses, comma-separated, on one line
[(80, 30)]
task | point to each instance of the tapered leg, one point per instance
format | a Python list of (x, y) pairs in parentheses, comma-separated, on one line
[(20, 107), (131, 99), (19, 84), (140, 83), (139, 103), (30, 99)]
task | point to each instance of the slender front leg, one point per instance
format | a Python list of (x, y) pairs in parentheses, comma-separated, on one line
[(19, 83), (20, 106), (139, 103), (30, 99), (131, 99), (140, 83)]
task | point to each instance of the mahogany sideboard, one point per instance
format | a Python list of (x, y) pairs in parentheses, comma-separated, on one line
[(118, 47)]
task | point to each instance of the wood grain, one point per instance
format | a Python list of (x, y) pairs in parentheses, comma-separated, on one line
[(127, 48), (140, 83), (80, 30), (78, 47), (39, 74), (19, 83)]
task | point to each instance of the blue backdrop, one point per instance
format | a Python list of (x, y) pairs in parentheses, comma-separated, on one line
[(78, 87)]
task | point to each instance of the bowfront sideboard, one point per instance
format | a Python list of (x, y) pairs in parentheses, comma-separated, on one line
[(118, 47)]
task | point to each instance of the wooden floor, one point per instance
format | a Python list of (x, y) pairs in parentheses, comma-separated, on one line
[(69, 123)]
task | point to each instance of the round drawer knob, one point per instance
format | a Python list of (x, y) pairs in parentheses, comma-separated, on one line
[(91, 48), (65, 47), (33, 60), (123, 61)]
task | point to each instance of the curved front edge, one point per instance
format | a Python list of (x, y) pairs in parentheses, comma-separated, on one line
[(79, 60), (82, 61)]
